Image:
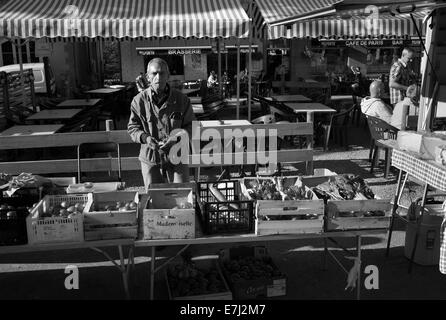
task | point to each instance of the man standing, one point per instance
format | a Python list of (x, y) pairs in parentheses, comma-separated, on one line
[(155, 113), (401, 76)]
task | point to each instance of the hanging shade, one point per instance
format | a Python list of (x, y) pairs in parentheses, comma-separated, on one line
[(351, 24), (123, 19)]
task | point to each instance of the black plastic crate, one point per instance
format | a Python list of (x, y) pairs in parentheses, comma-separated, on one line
[(13, 226), (224, 217)]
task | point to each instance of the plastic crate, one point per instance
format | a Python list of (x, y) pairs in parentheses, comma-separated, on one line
[(57, 229), (13, 229), (220, 217)]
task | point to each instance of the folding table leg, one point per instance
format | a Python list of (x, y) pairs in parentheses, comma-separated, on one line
[(358, 284), (419, 222), (152, 272), (324, 256), (394, 208)]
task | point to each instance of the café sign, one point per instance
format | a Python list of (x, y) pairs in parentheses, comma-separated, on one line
[(173, 51), (369, 43)]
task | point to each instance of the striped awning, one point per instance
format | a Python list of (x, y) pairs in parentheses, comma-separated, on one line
[(355, 24), (123, 19)]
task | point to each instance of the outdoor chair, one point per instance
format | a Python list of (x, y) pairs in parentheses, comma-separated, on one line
[(89, 150), (381, 130), (338, 127)]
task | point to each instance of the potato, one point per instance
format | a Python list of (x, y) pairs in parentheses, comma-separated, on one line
[(64, 204)]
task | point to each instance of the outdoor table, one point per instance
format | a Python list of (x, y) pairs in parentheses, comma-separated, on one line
[(198, 108), (310, 108), (222, 123), (342, 99), (427, 171), (38, 129), (189, 91), (79, 103), (246, 238), (105, 91), (54, 115), (290, 98), (233, 101), (123, 266)]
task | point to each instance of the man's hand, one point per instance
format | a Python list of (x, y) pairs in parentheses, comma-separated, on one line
[(171, 140), (150, 141)]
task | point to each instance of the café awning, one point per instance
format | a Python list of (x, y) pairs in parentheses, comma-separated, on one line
[(321, 20), (123, 19)]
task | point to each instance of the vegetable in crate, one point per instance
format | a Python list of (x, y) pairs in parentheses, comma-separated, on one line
[(344, 187), (251, 268), (263, 190), (297, 193)]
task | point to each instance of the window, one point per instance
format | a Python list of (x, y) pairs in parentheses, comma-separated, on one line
[(7, 51)]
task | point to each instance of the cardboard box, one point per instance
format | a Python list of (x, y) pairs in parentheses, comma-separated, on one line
[(258, 287), (409, 140)]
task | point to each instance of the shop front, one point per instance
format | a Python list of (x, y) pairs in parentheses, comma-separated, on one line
[(325, 49)]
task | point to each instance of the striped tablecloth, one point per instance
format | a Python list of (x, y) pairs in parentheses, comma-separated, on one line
[(425, 170)]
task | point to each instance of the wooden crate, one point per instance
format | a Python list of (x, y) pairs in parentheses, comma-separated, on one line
[(282, 210), (102, 224), (204, 264), (298, 208), (334, 221), (259, 288), (161, 220)]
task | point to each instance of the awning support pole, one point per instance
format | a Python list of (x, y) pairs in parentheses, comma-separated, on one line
[(220, 85), (238, 78), (250, 61)]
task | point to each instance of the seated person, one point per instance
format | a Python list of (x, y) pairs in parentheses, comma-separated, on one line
[(374, 106), (407, 106), (212, 80)]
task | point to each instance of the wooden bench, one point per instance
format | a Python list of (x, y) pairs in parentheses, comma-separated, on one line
[(130, 163)]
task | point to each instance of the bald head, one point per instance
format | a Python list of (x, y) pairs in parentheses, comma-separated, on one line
[(376, 89), (407, 55)]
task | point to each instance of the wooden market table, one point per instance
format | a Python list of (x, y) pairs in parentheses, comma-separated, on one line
[(310, 108), (428, 172), (290, 98), (123, 267), (54, 115), (79, 103), (253, 238), (37, 129)]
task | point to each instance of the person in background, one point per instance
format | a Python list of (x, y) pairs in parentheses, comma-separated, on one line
[(212, 80), (373, 105), (401, 76), (406, 107), (154, 113), (226, 85)]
